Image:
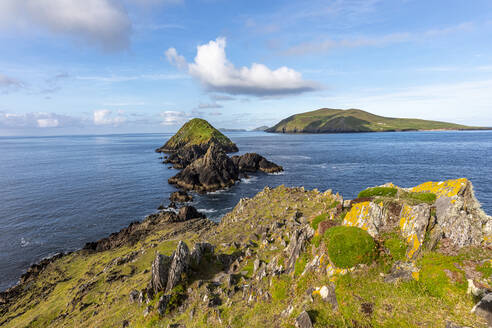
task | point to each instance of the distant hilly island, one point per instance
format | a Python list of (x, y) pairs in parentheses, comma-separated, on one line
[(328, 120)]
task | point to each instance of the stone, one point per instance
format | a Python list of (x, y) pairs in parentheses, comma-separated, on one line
[(413, 225), (160, 271), (180, 197), (303, 320), (401, 271), (134, 295), (162, 304), (299, 238), (484, 308), (328, 294), (450, 324), (179, 265), (199, 250), (188, 212), (252, 162)]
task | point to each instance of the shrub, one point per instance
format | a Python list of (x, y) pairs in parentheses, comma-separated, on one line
[(378, 191), (349, 246)]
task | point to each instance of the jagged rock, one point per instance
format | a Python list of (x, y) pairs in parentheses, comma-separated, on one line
[(215, 170), (179, 264), (252, 162), (162, 304), (180, 197), (183, 157), (198, 251), (401, 271), (484, 308), (413, 225), (303, 320), (160, 271), (298, 240), (134, 296), (189, 212)]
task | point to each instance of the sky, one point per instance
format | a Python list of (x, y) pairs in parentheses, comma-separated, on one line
[(137, 66)]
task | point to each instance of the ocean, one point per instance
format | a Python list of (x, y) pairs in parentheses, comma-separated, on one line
[(57, 193)]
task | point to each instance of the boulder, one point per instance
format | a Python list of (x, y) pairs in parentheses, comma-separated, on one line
[(328, 295), (252, 162), (484, 308), (179, 264), (188, 212), (215, 170), (303, 320), (160, 272), (401, 271), (180, 197)]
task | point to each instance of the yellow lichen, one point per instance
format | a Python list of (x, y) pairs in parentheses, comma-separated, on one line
[(357, 217), (416, 275), (447, 188)]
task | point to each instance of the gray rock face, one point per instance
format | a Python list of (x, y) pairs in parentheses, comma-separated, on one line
[(303, 320), (160, 271), (199, 250), (299, 238), (401, 271), (484, 308), (328, 294), (179, 264), (163, 303)]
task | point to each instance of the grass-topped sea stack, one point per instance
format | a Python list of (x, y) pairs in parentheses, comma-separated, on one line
[(200, 150), (198, 132)]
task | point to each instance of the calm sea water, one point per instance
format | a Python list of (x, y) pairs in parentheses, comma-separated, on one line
[(57, 193)]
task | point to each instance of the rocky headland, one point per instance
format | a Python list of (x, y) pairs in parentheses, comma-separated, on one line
[(200, 151), (393, 257)]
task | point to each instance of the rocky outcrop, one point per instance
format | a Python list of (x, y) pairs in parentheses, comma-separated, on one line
[(296, 246), (160, 272), (211, 172), (303, 320), (180, 261), (180, 197), (183, 157), (189, 212), (252, 162)]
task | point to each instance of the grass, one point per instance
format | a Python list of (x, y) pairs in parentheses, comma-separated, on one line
[(349, 246), (197, 132), (396, 246), (354, 120), (317, 220), (419, 197), (378, 191)]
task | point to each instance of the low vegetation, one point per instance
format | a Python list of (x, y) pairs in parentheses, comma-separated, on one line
[(378, 191), (349, 246)]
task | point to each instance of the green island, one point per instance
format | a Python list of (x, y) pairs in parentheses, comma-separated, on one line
[(288, 257), (328, 120)]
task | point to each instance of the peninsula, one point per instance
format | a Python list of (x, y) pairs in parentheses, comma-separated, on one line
[(328, 120)]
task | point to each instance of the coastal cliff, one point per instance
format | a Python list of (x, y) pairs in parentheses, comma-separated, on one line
[(406, 257)]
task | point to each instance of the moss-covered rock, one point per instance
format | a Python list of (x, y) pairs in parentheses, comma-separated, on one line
[(349, 246)]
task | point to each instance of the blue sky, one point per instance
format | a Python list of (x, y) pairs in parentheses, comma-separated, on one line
[(103, 66)]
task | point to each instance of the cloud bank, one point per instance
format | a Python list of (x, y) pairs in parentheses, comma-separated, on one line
[(174, 117), (9, 84), (216, 73), (104, 23), (106, 117)]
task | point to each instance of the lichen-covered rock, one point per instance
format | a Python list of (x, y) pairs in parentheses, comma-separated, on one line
[(179, 264), (367, 216), (413, 225), (402, 271)]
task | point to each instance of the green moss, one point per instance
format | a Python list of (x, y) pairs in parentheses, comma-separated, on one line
[(349, 246), (378, 191), (280, 288), (396, 246), (316, 240), (434, 279), (301, 264), (317, 220), (419, 197)]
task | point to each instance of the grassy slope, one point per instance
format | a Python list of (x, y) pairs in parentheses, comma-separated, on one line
[(197, 132), (355, 120), (429, 302)]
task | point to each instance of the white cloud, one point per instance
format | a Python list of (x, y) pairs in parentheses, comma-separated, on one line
[(38, 120), (207, 106), (104, 23), (48, 122), (174, 117), (216, 73), (106, 117)]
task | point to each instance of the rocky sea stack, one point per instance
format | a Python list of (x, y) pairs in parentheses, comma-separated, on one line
[(200, 151)]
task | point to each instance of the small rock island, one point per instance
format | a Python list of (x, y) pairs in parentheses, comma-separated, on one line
[(200, 150)]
